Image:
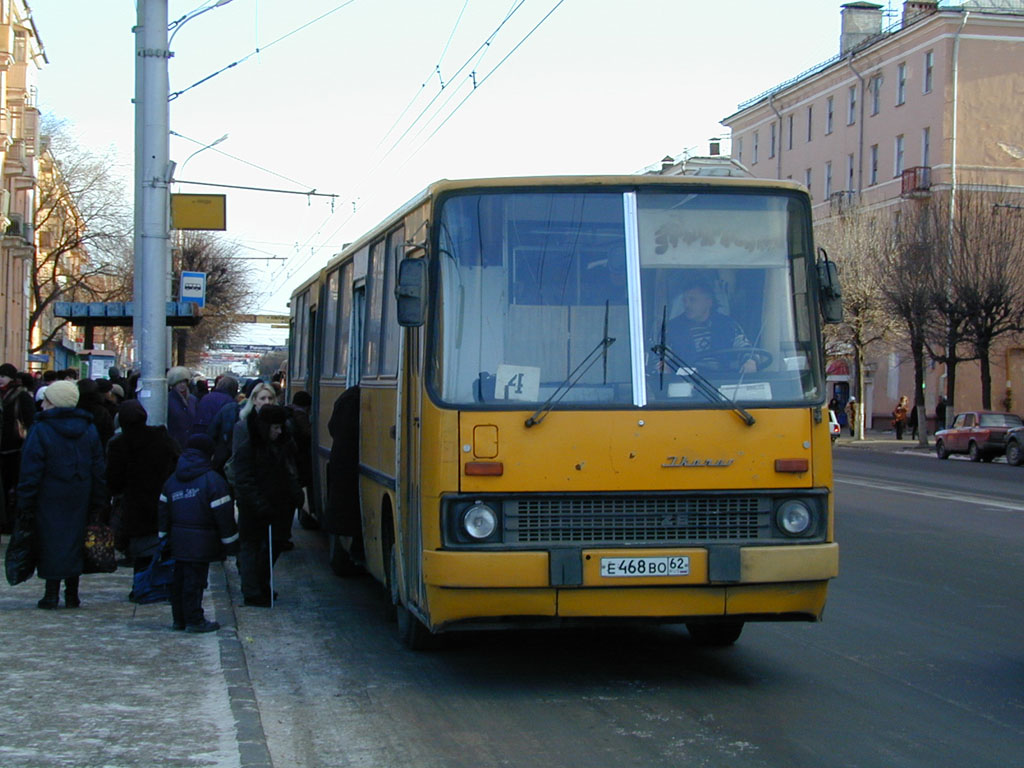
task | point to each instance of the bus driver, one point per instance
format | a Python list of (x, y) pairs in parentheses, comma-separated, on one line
[(704, 337)]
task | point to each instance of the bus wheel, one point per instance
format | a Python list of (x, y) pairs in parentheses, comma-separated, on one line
[(411, 631), (307, 521), (341, 561), (716, 635)]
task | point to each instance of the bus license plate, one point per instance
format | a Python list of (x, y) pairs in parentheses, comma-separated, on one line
[(676, 565)]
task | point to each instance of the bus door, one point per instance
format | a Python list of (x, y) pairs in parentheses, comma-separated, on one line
[(410, 405)]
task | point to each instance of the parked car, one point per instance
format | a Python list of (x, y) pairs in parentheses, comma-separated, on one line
[(982, 435), (1015, 446), (833, 425)]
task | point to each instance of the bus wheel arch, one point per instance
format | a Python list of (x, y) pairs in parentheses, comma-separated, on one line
[(717, 634)]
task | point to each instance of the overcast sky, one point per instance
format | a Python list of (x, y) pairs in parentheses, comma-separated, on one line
[(600, 86)]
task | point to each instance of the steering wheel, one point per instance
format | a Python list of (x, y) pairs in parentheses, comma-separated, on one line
[(733, 359)]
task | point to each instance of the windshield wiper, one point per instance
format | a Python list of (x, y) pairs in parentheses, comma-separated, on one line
[(572, 379), (712, 393)]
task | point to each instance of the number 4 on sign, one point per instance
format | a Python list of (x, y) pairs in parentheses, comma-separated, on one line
[(518, 382)]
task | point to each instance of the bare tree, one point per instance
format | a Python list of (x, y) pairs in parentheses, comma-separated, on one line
[(986, 246), (856, 242), (228, 290), (83, 222), (912, 259)]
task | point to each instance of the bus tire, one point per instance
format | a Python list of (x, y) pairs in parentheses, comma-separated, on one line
[(411, 631), (308, 521), (340, 560), (715, 635)]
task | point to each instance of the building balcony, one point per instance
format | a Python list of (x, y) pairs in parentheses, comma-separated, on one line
[(917, 181)]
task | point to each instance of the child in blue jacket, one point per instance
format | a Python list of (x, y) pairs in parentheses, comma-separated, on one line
[(197, 514)]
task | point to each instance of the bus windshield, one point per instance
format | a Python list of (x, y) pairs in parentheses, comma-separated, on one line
[(656, 297)]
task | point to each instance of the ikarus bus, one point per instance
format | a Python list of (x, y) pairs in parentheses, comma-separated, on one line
[(580, 400)]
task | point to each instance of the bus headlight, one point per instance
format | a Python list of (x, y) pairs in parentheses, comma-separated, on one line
[(794, 518), (479, 521)]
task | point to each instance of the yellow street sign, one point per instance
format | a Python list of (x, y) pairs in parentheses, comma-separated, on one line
[(199, 212)]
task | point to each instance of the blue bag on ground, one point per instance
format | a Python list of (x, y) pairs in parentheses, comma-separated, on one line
[(153, 585)]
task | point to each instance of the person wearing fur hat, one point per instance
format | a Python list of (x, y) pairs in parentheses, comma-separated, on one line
[(19, 411), (267, 491), (139, 461), (198, 520), (60, 487), (181, 404)]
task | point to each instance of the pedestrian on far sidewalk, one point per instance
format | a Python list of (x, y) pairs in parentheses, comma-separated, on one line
[(899, 417), (851, 414), (197, 517), (912, 422), (940, 413)]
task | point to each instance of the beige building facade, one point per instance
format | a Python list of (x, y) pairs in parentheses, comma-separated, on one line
[(902, 116), (21, 58)]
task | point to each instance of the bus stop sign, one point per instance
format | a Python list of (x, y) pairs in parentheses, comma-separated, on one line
[(193, 287)]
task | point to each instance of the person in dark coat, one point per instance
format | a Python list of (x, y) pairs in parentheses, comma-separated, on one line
[(19, 409), (181, 405), (139, 461), (197, 518), (267, 491), (61, 486), (343, 516), (224, 392), (89, 399), (302, 433)]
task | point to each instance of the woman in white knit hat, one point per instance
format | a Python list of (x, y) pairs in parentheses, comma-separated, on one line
[(60, 485), (181, 405)]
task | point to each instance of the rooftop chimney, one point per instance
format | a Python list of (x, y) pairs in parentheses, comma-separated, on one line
[(715, 148), (860, 23), (667, 162), (913, 10)]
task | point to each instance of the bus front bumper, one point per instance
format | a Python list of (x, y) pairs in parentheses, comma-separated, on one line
[(775, 583)]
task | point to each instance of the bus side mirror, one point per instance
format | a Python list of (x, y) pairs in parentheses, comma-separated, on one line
[(410, 292), (830, 294)]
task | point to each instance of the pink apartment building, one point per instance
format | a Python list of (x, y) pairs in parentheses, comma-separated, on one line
[(902, 115)]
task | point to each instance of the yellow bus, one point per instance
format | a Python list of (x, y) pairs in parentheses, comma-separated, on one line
[(580, 399)]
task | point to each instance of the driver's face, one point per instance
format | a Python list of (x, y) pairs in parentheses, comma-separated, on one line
[(696, 304)]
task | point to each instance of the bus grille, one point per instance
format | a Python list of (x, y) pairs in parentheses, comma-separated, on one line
[(637, 520)]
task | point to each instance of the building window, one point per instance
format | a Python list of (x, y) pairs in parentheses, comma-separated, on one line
[(898, 157), (849, 173), (20, 47), (876, 93), (789, 145), (810, 122), (757, 138), (851, 112), (807, 179), (828, 119), (929, 65), (828, 179), (771, 142), (926, 147), (874, 164), (901, 84), (739, 150)]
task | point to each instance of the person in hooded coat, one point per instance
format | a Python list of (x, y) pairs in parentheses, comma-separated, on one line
[(267, 492), (197, 517), (224, 392), (139, 461), (61, 485)]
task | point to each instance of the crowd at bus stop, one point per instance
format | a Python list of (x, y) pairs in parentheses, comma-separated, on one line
[(224, 476)]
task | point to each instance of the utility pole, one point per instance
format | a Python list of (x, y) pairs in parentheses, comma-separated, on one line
[(152, 175)]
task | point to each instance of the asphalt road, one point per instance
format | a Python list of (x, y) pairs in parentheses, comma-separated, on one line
[(919, 661)]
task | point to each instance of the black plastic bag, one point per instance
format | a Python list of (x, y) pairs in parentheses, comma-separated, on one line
[(20, 559)]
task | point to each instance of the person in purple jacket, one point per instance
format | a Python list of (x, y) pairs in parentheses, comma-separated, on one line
[(197, 516)]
